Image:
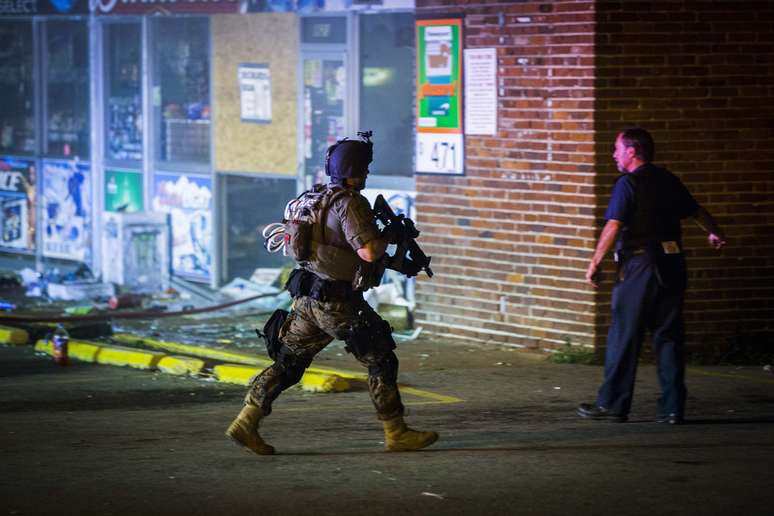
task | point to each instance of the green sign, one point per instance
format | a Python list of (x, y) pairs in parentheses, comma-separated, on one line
[(123, 191), (439, 76)]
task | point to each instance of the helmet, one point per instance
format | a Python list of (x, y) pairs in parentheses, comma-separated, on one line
[(349, 158)]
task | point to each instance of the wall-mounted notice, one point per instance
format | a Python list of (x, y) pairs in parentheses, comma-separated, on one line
[(255, 93), (439, 146), (480, 91)]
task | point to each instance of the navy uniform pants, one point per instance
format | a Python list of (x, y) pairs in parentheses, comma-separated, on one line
[(646, 296)]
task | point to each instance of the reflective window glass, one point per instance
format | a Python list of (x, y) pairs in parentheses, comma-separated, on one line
[(67, 88), (17, 122), (123, 93), (387, 90), (182, 49), (324, 117), (252, 203)]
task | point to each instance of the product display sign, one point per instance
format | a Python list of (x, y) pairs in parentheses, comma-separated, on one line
[(123, 191), (188, 200), (17, 203), (439, 146), (255, 93), (48, 7), (138, 7), (67, 210)]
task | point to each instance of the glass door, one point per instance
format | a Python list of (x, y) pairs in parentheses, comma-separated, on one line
[(324, 77)]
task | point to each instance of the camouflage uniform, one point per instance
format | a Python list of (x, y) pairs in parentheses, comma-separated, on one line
[(313, 324)]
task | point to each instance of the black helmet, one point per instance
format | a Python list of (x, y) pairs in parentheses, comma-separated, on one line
[(349, 158)]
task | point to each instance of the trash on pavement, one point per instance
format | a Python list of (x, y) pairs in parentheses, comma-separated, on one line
[(266, 276), (80, 290), (79, 309), (240, 288)]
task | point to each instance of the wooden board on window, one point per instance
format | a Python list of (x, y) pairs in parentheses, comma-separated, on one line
[(270, 39)]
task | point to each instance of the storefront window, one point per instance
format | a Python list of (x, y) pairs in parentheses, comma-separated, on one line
[(387, 90), (123, 114), (245, 223), (182, 47), (17, 126), (67, 89)]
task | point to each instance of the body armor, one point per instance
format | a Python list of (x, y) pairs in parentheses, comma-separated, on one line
[(308, 239)]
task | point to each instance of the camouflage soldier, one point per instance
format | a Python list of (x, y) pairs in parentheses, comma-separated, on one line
[(331, 232)]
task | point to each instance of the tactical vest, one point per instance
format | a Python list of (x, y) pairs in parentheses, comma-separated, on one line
[(305, 239)]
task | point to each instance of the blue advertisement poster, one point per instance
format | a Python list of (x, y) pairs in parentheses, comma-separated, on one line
[(67, 210), (188, 200), (17, 203)]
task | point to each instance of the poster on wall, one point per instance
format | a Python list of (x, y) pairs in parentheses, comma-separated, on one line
[(66, 210), (481, 91), (254, 93), (188, 201), (123, 191), (17, 203), (439, 145)]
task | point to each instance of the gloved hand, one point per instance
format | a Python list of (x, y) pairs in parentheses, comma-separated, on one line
[(392, 233)]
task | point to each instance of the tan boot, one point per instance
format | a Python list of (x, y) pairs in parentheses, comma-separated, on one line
[(244, 431), (399, 437)]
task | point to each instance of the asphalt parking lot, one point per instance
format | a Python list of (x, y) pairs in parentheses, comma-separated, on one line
[(93, 439)]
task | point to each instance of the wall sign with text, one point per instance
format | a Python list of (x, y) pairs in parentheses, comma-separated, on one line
[(440, 143), (255, 93)]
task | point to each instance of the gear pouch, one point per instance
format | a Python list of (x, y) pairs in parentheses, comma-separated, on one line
[(271, 331)]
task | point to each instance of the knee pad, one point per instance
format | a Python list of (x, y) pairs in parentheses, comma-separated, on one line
[(290, 365)]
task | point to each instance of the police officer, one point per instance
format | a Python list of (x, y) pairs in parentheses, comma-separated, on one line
[(341, 260), (644, 214)]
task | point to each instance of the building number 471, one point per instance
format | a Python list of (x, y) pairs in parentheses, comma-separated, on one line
[(441, 152)]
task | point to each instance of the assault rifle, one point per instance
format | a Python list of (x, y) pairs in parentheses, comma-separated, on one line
[(408, 259)]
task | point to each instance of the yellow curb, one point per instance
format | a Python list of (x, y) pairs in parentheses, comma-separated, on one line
[(324, 383), (310, 382), (180, 365), (131, 357), (13, 336), (241, 375), (233, 373), (176, 347), (76, 349)]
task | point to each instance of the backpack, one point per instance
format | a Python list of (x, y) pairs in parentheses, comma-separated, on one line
[(302, 214)]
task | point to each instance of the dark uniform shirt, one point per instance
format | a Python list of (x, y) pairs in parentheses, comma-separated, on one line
[(650, 202)]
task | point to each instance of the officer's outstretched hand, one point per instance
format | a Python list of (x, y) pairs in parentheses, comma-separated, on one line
[(592, 275), (716, 241)]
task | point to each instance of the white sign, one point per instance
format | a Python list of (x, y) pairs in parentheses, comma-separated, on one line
[(255, 93), (480, 91), (440, 153)]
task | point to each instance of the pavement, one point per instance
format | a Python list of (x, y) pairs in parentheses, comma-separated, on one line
[(99, 439)]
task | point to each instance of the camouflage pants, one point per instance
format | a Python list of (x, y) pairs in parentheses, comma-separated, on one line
[(310, 327)]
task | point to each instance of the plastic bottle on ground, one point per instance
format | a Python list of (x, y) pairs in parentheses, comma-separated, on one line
[(59, 342)]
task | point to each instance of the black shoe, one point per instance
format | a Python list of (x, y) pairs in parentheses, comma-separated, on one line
[(590, 411), (672, 419)]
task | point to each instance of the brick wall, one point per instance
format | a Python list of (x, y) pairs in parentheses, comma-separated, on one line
[(511, 239), (698, 74)]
